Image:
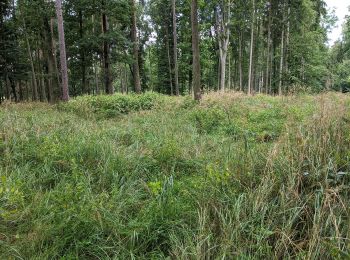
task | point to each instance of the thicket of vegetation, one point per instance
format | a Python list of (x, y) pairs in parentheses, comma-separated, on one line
[(232, 177), (132, 46)]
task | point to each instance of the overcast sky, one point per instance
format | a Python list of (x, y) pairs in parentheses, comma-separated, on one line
[(342, 10)]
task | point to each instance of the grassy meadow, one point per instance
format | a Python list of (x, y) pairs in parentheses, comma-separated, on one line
[(158, 177)]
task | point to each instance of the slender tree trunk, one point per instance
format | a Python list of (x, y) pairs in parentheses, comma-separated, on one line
[(51, 74), (280, 81), (240, 54), (190, 78), (82, 55), (107, 74), (176, 66), (41, 76), (229, 70), (150, 69), (222, 17), (126, 78), (27, 91), (169, 61), (63, 58), (58, 90), (268, 48), (13, 87), (281, 65), (35, 84), (134, 39), (223, 71), (286, 47), (1, 91), (7, 88), (219, 73), (20, 90), (195, 50), (251, 60)]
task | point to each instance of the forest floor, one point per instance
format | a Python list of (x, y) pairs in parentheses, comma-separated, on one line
[(154, 177)]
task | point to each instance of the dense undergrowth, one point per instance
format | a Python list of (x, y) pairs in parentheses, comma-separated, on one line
[(232, 177)]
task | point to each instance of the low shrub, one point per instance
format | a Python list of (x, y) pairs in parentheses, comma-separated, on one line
[(108, 106)]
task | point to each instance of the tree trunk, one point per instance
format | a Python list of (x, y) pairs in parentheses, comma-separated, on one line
[(27, 91), (82, 55), (13, 87), (286, 47), (195, 49), (176, 66), (42, 91), (251, 60), (35, 84), (135, 42), (63, 58), (169, 61), (267, 77), (280, 81), (107, 74), (1, 92), (58, 90), (222, 17), (229, 70), (7, 88), (240, 54)]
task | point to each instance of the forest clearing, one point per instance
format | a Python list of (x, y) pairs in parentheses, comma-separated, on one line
[(153, 176)]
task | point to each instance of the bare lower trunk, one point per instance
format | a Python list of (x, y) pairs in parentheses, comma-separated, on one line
[(82, 55), (134, 39), (240, 62), (195, 49), (229, 70), (250, 78), (169, 62), (222, 19), (63, 58), (176, 67), (223, 71), (107, 74), (41, 77), (35, 84), (7, 88), (267, 81), (58, 90), (280, 81)]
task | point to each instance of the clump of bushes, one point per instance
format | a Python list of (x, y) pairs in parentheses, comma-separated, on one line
[(108, 106)]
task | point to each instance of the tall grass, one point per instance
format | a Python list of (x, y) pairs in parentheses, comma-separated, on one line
[(233, 177)]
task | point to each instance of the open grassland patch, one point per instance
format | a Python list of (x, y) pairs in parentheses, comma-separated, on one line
[(233, 177)]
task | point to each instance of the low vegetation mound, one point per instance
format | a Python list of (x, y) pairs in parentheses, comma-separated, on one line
[(107, 106), (234, 177)]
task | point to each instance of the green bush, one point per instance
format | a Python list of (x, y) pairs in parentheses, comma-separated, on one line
[(108, 106)]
